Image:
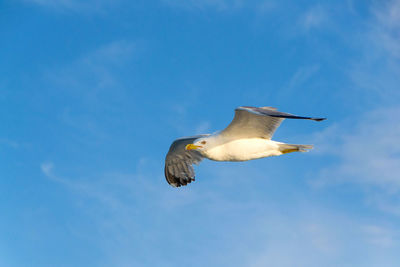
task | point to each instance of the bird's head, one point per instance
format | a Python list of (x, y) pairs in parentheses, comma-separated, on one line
[(199, 144)]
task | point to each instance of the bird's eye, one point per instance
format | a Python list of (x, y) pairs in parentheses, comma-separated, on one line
[(203, 142)]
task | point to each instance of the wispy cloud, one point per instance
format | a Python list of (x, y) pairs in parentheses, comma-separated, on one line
[(379, 46), (314, 18), (91, 6), (301, 76), (368, 149), (381, 236), (323, 239), (203, 4), (203, 127), (363, 148), (10, 143), (47, 168), (368, 152), (129, 211), (88, 189), (92, 80), (259, 6), (387, 27), (93, 71), (133, 211)]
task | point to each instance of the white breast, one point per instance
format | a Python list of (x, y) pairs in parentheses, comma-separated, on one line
[(243, 149)]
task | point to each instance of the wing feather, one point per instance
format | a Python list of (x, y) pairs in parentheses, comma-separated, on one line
[(178, 162), (262, 122)]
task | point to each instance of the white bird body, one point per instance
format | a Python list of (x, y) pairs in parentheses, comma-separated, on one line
[(240, 149)]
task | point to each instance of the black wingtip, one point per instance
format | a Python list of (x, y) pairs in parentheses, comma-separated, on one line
[(177, 181), (318, 119)]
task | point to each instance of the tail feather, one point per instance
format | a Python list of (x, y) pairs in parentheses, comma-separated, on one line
[(288, 148)]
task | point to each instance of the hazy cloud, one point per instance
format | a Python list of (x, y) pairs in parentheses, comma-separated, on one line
[(313, 18), (90, 6), (387, 28), (93, 84), (321, 239), (259, 6), (95, 70), (368, 152), (46, 168), (298, 79), (10, 143), (366, 146), (126, 209), (380, 236), (376, 73), (203, 4)]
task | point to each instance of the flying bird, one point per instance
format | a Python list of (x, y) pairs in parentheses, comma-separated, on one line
[(247, 137)]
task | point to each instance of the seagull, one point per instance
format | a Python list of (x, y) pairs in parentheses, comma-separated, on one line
[(247, 137)]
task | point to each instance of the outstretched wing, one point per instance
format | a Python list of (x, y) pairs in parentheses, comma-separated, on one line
[(252, 122), (178, 162)]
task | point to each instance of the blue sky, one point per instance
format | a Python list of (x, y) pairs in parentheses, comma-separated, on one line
[(92, 93)]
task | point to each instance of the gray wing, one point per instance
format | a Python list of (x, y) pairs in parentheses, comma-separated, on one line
[(252, 122), (178, 162)]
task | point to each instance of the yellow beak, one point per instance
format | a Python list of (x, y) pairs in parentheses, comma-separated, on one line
[(191, 146)]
